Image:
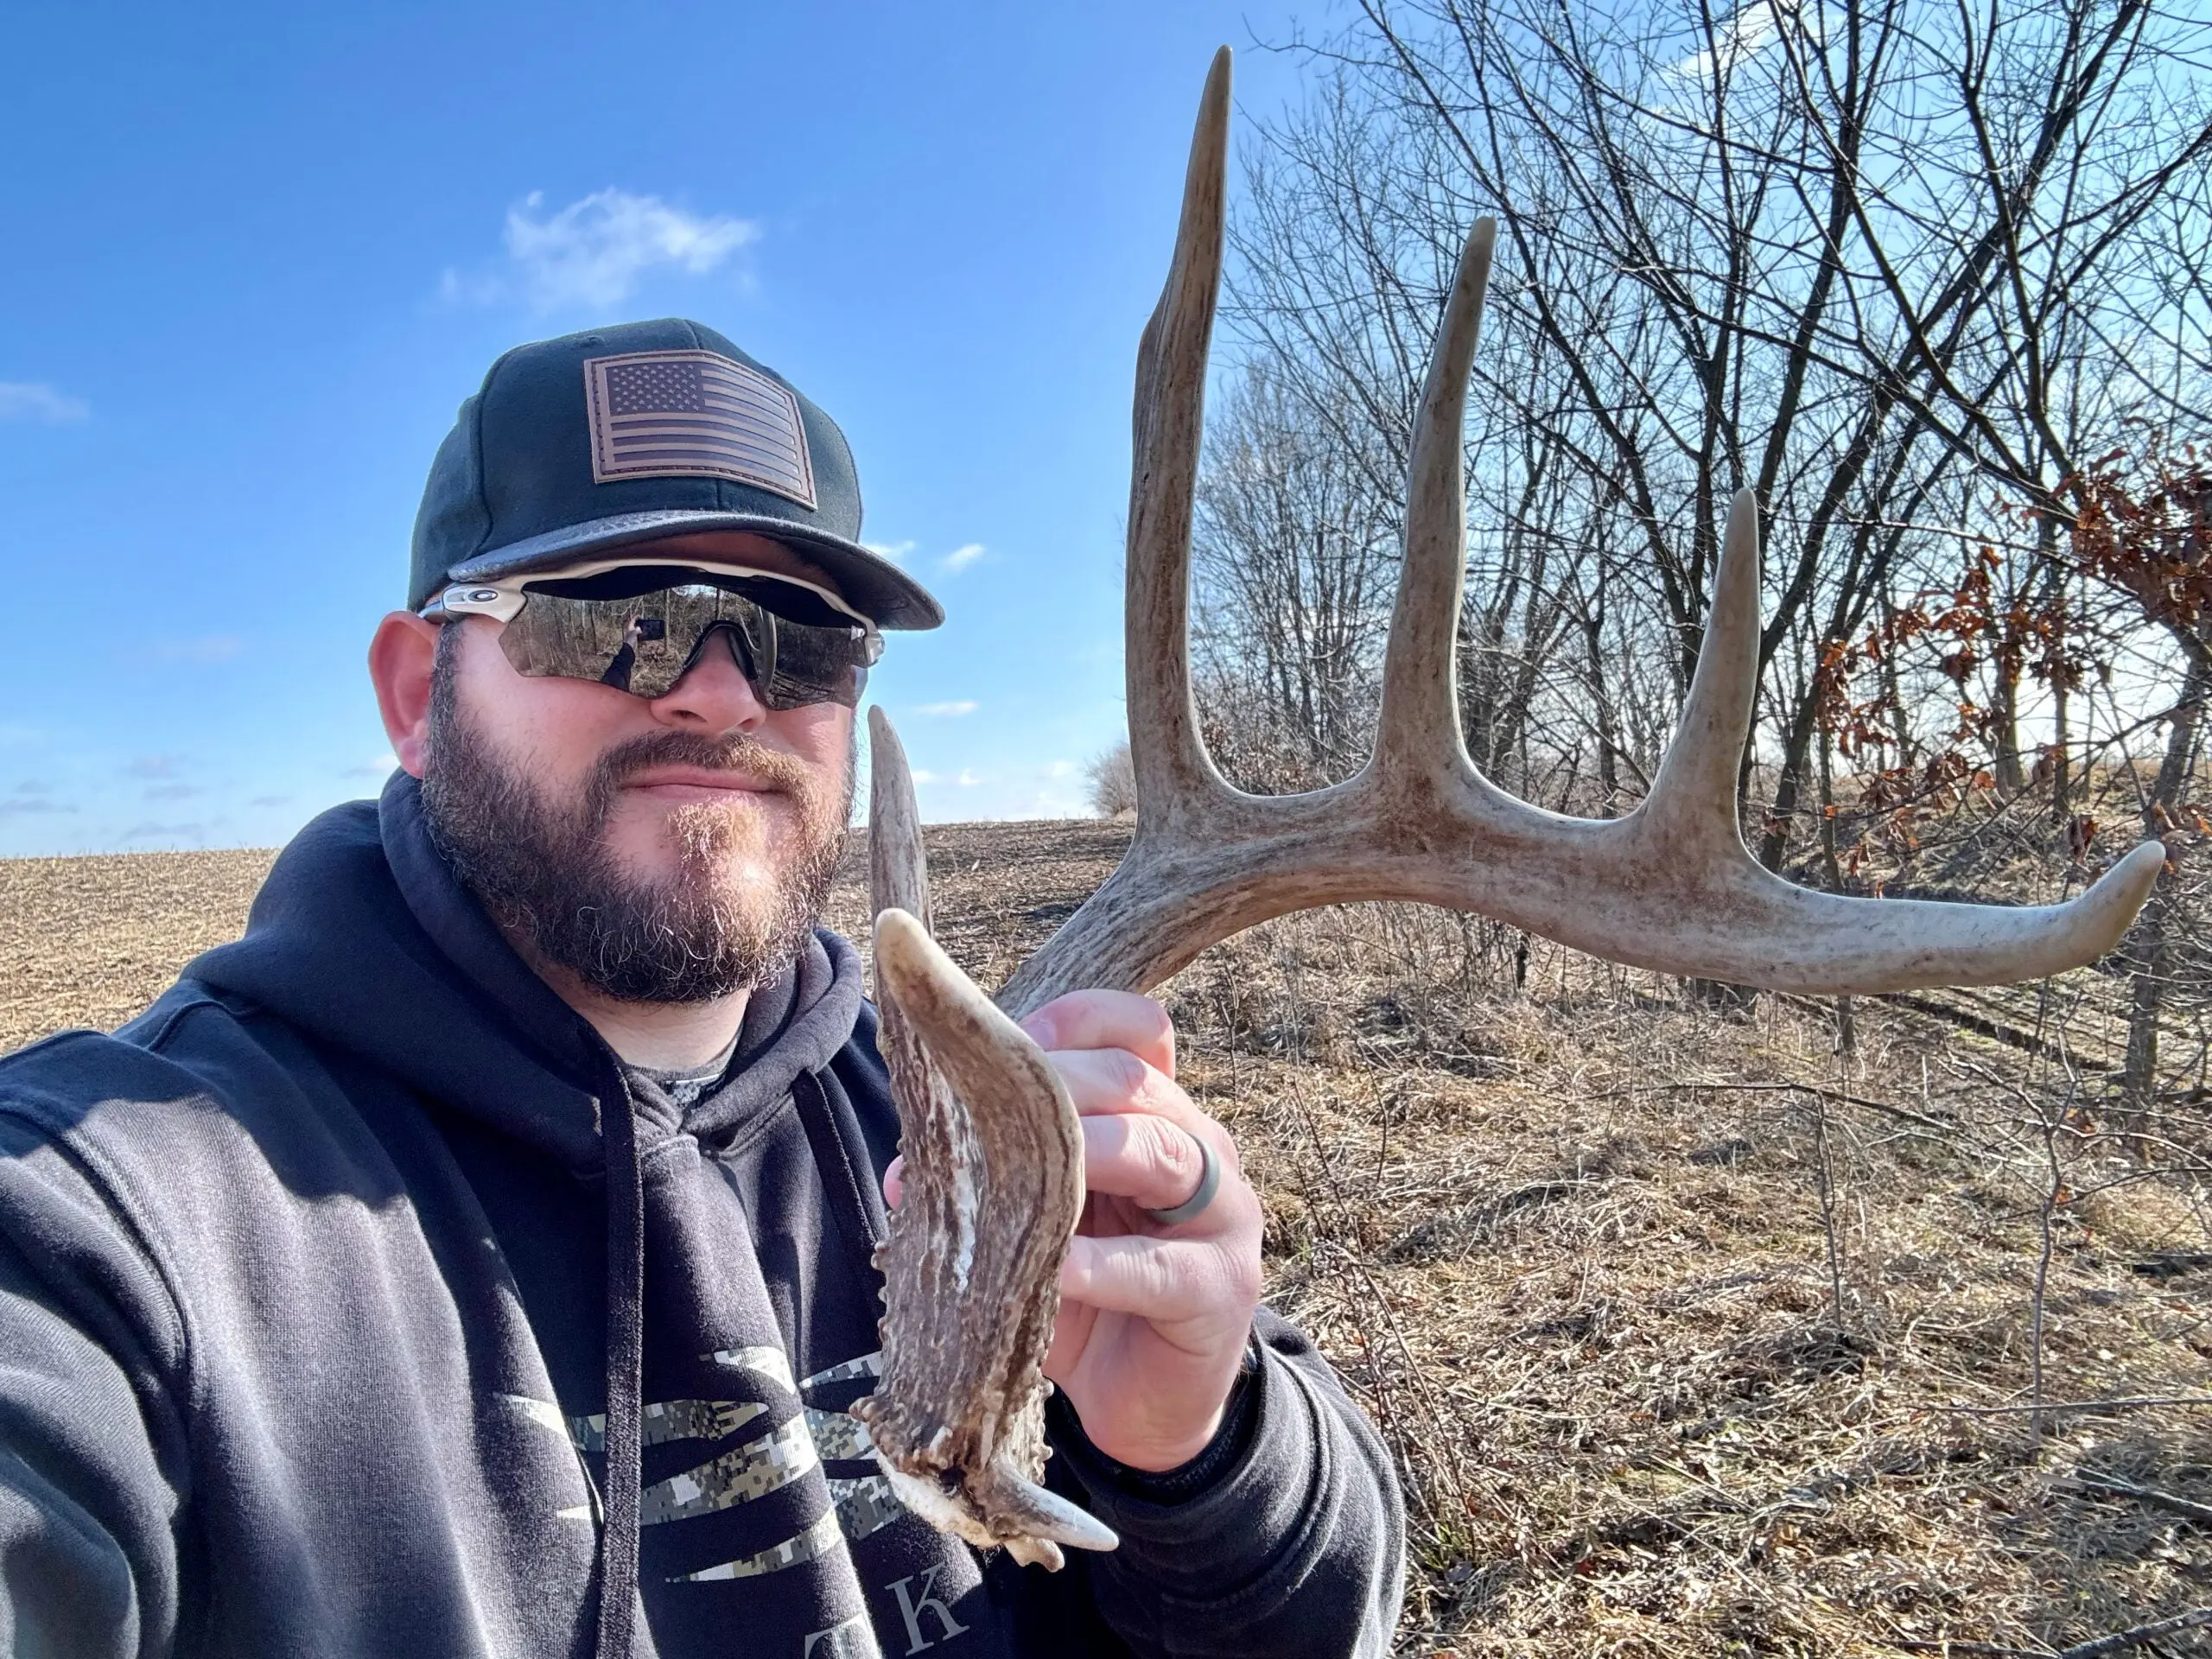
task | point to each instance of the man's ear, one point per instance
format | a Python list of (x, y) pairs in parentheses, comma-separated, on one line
[(401, 659)]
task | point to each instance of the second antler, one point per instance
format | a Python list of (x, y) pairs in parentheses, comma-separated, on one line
[(994, 1154), (1670, 886), (993, 1190)]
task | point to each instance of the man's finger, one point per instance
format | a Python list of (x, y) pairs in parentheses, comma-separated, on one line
[(1114, 1080), (1141, 1131), (1147, 1159), (1107, 1019), (1162, 1280)]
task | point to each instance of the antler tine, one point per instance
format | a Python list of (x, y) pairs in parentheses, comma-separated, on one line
[(1694, 794), (898, 863), (1418, 736), (1700, 904), (1173, 769)]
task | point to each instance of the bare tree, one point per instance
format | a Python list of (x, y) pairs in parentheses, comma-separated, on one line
[(1113, 781), (1293, 554), (1889, 265)]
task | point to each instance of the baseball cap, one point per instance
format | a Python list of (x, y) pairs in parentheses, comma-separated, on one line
[(577, 447)]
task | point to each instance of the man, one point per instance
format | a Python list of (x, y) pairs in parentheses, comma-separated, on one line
[(533, 1117)]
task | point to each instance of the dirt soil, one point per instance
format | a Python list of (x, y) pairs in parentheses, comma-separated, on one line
[(1691, 1336), (91, 941)]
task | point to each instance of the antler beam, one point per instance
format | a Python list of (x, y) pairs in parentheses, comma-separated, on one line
[(993, 1190), (1669, 887)]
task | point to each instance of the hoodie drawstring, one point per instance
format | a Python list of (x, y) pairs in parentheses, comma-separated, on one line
[(833, 1135), (625, 1283)]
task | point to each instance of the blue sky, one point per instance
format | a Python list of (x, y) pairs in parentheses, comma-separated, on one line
[(260, 253)]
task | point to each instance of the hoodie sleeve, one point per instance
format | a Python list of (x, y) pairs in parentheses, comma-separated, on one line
[(88, 1499), (1296, 1548)]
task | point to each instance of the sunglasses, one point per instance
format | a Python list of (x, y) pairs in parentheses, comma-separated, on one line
[(640, 627)]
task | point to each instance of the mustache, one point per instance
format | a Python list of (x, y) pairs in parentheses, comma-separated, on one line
[(733, 751)]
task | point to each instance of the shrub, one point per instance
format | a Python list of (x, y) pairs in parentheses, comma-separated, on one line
[(1113, 782)]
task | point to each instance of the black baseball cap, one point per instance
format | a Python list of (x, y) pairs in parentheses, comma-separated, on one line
[(578, 446)]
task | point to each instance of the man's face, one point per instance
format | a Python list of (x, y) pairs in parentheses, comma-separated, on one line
[(671, 849)]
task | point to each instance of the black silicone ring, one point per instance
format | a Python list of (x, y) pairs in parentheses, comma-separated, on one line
[(1209, 1184)]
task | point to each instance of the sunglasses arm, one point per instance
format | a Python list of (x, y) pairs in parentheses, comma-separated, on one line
[(475, 598)]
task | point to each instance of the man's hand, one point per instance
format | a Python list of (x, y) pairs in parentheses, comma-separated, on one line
[(1154, 1319)]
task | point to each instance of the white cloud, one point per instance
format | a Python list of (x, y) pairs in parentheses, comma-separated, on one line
[(379, 767), (1734, 39), (457, 289), (892, 551), (961, 557), (965, 706), (968, 779), (209, 648), (594, 252), (923, 775), (34, 400), (1060, 769)]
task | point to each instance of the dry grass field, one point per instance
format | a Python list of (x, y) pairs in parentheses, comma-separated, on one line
[(91, 941), (1692, 1335)]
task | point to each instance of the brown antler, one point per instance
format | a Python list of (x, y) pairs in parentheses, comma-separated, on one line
[(994, 1153), (1669, 887), (992, 1190)]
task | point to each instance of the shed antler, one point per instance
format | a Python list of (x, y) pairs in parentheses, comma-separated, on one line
[(993, 1190), (1669, 887)]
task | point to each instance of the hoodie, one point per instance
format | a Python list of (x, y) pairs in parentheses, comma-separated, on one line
[(355, 1300)]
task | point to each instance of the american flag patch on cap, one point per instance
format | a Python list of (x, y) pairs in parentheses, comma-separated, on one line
[(695, 414)]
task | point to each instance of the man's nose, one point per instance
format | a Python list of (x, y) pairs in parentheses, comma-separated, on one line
[(714, 695)]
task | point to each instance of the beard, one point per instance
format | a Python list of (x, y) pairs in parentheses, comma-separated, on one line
[(545, 868)]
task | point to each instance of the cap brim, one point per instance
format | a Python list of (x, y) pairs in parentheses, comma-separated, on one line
[(873, 586)]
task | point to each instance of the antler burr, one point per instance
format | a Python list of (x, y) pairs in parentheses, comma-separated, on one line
[(993, 1190)]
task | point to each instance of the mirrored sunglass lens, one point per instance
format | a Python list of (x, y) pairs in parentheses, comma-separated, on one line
[(578, 639), (815, 665), (644, 643)]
